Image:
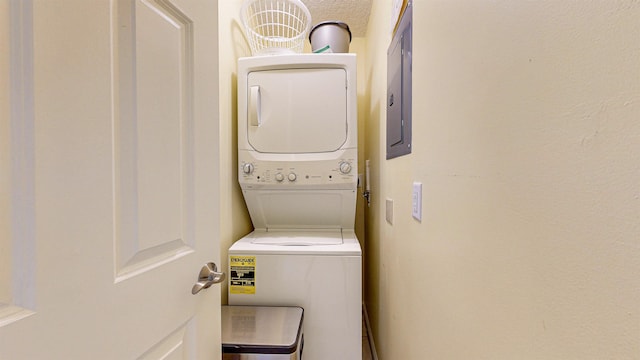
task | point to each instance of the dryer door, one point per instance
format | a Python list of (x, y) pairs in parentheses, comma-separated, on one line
[(297, 110)]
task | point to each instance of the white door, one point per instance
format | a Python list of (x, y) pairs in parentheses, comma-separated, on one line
[(108, 179)]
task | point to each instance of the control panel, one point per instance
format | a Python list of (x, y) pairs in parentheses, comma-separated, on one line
[(338, 171)]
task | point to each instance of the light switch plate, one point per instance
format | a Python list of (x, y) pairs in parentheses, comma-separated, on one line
[(389, 213), (416, 201)]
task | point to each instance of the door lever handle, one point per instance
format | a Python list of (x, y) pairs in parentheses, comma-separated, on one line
[(208, 276)]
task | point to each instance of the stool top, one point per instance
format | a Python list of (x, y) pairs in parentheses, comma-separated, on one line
[(261, 329)]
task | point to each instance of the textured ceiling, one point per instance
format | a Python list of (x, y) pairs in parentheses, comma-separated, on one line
[(354, 13)]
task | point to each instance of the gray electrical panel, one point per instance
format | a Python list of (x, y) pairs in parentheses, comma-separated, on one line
[(399, 88)]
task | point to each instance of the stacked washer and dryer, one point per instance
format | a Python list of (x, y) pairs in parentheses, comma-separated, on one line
[(297, 157)]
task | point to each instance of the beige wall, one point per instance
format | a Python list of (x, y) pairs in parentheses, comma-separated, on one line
[(5, 160), (526, 128), (527, 143), (235, 221)]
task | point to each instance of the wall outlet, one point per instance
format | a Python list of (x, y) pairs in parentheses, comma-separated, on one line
[(389, 213), (416, 201)]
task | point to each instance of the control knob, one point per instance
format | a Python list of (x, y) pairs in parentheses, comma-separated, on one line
[(345, 167), (279, 177), (292, 177), (247, 168)]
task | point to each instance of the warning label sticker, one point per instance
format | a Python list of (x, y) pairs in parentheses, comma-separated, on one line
[(243, 274)]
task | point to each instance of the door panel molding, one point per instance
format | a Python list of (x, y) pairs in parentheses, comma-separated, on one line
[(153, 140), (177, 345)]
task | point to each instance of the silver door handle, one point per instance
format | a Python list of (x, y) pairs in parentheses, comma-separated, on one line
[(208, 276)]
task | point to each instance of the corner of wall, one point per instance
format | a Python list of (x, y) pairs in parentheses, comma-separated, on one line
[(235, 221)]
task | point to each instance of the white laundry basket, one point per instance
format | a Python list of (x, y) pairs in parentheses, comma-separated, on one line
[(275, 26)]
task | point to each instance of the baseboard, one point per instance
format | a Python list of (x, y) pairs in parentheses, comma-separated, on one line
[(372, 345)]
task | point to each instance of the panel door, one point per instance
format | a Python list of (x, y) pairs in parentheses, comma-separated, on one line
[(297, 110), (108, 179)]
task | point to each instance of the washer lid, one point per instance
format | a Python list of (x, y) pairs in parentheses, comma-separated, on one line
[(350, 245), (299, 238)]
